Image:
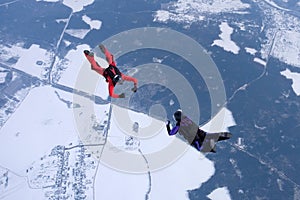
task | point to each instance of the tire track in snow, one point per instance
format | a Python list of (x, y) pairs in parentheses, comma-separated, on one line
[(149, 175)]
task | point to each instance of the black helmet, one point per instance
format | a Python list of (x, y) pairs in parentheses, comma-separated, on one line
[(177, 115)]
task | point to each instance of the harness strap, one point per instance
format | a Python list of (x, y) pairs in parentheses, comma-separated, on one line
[(113, 73)]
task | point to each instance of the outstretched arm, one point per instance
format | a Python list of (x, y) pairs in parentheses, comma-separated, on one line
[(174, 130), (129, 78), (111, 88)]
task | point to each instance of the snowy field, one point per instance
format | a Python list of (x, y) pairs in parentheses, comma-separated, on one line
[(51, 123), (45, 118)]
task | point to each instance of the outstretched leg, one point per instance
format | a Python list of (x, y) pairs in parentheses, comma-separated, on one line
[(212, 146), (108, 55), (95, 66), (224, 136), (201, 134)]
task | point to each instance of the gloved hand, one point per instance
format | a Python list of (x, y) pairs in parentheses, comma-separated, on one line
[(168, 122), (134, 89), (122, 95)]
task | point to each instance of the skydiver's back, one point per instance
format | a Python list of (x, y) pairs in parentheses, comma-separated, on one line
[(188, 129)]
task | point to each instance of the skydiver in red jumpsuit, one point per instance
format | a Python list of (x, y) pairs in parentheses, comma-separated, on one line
[(112, 73)]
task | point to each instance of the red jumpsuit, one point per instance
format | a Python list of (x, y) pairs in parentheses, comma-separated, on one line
[(100, 70)]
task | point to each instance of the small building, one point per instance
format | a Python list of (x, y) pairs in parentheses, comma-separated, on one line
[(2, 77)]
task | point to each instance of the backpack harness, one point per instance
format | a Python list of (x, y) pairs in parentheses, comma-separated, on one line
[(113, 73)]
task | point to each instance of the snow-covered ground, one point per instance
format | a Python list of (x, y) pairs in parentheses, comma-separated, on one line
[(225, 39), (45, 119), (287, 47), (77, 70), (272, 3), (220, 122), (51, 123), (260, 61), (188, 11), (2, 76), (34, 60), (76, 6), (181, 176), (81, 33), (148, 169), (94, 24), (283, 33), (295, 79), (41, 122), (219, 194), (78, 33), (251, 50)]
